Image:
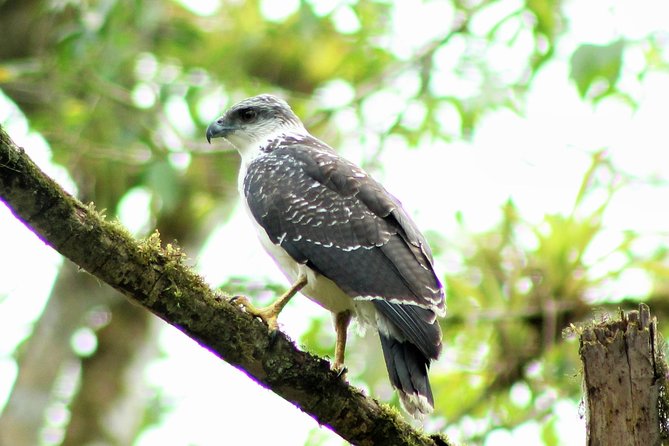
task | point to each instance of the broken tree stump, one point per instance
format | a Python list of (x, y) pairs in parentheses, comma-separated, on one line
[(624, 381)]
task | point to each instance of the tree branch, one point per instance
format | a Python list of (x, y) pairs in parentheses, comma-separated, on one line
[(624, 373), (155, 278)]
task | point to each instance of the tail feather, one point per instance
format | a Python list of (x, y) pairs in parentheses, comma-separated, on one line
[(410, 338), (407, 368)]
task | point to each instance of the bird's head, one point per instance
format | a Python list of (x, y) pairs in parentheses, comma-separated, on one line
[(251, 122)]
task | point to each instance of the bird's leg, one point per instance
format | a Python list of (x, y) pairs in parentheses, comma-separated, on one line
[(270, 313), (341, 326)]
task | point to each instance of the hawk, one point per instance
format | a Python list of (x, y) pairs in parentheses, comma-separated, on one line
[(340, 238)]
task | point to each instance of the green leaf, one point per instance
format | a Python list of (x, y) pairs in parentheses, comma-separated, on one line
[(547, 16), (591, 63), (549, 433)]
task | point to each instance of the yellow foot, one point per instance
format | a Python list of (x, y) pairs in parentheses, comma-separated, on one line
[(341, 325), (267, 314), (270, 313)]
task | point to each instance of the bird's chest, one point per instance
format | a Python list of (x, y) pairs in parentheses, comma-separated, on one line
[(319, 288)]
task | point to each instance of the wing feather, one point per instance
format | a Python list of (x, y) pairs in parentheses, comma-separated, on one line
[(326, 211)]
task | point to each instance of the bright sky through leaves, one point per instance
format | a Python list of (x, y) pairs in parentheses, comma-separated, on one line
[(537, 158)]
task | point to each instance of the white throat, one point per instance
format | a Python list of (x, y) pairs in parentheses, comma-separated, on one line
[(251, 149)]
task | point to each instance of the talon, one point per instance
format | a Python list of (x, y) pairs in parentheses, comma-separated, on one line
[(273, 337), (241, 300), (246, 304), (341, 371), (270, 313), (267, 314)]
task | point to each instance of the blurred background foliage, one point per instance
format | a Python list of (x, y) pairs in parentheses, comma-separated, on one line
[(122, 90)]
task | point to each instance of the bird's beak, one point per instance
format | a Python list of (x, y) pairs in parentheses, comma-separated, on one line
[(219, 129)]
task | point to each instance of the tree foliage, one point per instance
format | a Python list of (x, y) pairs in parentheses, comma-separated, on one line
[(122, 91)]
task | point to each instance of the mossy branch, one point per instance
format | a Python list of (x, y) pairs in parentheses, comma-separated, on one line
[(155, 277)]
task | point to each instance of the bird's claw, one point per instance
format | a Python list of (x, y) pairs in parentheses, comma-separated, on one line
[(341, 370), (240, 300), (267, 314)]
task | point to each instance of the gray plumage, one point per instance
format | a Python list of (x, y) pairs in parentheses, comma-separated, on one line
[(362, 252)]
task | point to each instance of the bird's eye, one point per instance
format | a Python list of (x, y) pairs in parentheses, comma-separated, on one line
[(247, 114)]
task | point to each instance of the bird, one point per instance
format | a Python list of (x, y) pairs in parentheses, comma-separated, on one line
[(341, 239)]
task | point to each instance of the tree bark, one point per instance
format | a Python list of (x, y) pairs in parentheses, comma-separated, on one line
[(624, 372), (155, 278)]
